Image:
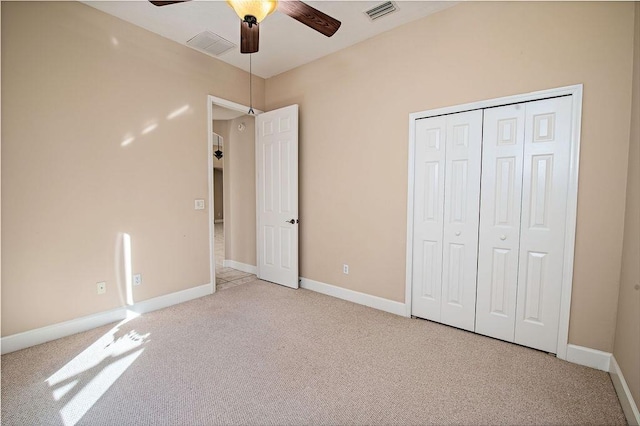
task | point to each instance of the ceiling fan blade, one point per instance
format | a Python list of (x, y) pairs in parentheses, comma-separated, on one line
[(249, 37), (309, 16), (166, 3)]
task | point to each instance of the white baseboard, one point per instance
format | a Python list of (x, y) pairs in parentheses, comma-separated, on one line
[(629, 406), (18, 341), (249, 269), (41, 335), (588, 357), (605, 361), (376, 302), (171, 299)]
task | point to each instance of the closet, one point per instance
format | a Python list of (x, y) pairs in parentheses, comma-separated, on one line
[(490, 195)]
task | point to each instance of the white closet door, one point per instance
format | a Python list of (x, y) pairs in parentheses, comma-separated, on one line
[(461, 202), (499, 234), (547, 152), (430, 146)]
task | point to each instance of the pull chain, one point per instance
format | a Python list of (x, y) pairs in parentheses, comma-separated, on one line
[(251, 111)]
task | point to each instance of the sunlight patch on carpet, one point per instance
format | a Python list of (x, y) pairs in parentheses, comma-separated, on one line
[(83, 380)]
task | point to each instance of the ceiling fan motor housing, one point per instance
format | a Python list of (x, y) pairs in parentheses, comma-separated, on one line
[(251, 20)]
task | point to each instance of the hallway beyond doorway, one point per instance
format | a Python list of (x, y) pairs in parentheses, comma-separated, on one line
[(226, 277)]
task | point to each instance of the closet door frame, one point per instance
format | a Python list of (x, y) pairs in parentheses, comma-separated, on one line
[(575, 92)]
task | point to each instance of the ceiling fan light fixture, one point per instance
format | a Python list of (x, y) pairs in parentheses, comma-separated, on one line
[(259, 9)]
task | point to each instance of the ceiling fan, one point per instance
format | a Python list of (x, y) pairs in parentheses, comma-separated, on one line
[(252, 12)]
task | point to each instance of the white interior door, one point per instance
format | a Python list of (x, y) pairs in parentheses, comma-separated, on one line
[(499, 236), (446, 198), (430, 147), (461, 201), (277, 196), (547, 150)]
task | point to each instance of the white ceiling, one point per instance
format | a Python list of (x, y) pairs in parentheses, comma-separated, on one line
[(284, 42)]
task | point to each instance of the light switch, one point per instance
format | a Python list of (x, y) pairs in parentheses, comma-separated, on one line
[(199, 204)]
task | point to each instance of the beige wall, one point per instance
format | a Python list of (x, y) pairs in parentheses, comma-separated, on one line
[(239, 189), (218, 195), (354, 110), (627, 342), (76, 83), (242, 192)]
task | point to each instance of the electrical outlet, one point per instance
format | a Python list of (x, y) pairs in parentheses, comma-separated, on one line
[(199, 204), (137, 279), (345, 269), (102, 287)]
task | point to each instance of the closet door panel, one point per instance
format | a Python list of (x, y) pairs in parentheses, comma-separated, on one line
[(430, 150), (499, 234), (547, 150), (461, 203)]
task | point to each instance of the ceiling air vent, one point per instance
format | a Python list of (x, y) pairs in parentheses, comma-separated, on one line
[(210, 43), (381, 10)]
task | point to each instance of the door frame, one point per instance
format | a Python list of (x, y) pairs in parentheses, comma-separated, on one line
[(575, 91), (211, 101)]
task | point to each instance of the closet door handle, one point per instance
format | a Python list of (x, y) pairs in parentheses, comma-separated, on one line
[(457, 233), (503, 237)]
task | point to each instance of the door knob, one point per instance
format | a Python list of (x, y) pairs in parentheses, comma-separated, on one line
[(292, 221), (457, 233), (503, 237)]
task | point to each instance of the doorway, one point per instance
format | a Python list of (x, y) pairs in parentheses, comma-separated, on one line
[(232, 194)]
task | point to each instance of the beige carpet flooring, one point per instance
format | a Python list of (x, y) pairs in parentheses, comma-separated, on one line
[(259, 353)]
